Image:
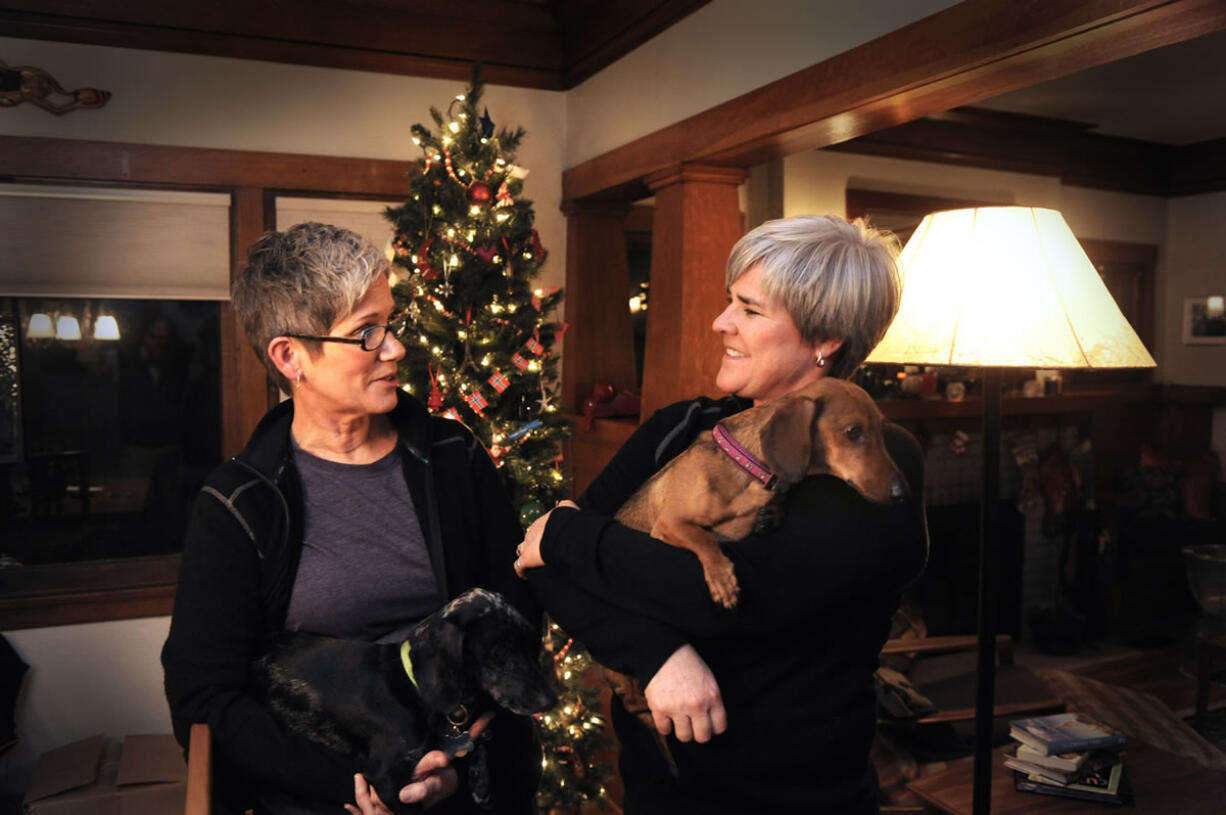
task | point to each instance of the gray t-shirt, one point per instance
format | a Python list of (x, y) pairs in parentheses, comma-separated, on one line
[(365, 572)]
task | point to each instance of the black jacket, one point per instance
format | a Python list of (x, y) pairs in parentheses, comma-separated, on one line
[(239, 562), (794, 661)]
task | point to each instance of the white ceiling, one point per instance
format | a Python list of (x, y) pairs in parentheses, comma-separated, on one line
[(1174, 95)]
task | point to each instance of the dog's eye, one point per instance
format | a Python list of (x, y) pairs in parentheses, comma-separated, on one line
[(854, 432)]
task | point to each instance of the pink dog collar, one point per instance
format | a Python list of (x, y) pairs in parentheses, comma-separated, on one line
[(744, 459)]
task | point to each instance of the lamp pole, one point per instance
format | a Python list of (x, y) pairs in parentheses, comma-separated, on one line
[(989, 556)]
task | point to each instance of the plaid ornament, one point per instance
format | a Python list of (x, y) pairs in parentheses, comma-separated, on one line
[(534, 345), (519, 361), (499, 381), (450, 413), (477, 402)]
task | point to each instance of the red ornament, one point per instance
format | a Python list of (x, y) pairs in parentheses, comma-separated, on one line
[(519, 361), (499, 381), (477, 402), (479, 193), (534, 345), (436, 399)]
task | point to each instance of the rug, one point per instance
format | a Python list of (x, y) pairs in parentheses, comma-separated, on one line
[(1138, 715)]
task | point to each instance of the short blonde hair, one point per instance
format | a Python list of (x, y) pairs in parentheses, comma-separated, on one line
[(837, 280), (301, 281)]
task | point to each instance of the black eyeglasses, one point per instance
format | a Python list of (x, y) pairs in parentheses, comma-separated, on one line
[(370, 338)]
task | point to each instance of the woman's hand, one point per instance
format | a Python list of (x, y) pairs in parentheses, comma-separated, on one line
[(684, 698), (528, 553), (434, 779)]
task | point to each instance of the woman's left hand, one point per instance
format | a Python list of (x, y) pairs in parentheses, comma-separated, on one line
[(528, 553)]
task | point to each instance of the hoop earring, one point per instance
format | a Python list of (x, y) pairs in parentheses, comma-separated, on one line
[(820, 361)]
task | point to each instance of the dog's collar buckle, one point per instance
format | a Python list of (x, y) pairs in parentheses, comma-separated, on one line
[(743, 458)]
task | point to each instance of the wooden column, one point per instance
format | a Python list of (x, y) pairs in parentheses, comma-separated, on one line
[(697, 220), (599, 345), (244, 380)]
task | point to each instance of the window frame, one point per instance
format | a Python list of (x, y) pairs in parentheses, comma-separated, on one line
[(95, 591)]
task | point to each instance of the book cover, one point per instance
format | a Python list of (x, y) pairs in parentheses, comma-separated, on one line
[(1117, 792), (1065, 733)]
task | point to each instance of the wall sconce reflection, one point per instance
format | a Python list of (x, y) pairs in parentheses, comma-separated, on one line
[(106, 327), (65, 326), (40, 327)]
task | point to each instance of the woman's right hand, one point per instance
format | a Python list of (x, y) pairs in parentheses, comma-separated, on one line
[(684, 698), (434, 779)]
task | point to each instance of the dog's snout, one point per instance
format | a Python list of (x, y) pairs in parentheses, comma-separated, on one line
[(899, 489)]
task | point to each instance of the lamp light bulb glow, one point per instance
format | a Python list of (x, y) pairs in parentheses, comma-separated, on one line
[(67, 328)]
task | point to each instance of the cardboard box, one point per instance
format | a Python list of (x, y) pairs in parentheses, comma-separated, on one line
[(145, 775)]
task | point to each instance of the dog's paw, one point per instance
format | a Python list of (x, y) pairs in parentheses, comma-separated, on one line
[(724, 588)]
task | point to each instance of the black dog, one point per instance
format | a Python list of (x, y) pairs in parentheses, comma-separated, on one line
[(385, 706)]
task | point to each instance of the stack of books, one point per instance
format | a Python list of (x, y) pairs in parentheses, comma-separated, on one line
[(1071, 756)]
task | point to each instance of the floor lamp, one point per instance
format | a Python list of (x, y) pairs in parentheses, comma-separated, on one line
[(996, 288)]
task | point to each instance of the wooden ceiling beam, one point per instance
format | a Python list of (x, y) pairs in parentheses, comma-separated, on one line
[(966, 53)]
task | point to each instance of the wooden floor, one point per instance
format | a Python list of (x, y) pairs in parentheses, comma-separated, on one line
[(1154, 672)]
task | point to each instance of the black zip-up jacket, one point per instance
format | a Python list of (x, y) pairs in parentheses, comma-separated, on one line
[(239, 562), (794, 660)]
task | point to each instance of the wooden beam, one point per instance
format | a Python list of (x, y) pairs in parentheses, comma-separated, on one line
[(595, 33), (37, 159), (697, 221), (966, 53), (421, 38)]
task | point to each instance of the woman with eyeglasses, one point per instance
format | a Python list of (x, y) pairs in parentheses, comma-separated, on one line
[(351, 512)]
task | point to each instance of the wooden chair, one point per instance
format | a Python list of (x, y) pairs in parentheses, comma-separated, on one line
[(199, 772)]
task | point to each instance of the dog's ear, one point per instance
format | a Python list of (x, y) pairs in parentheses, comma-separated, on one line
[(787, 438), (438, 662)]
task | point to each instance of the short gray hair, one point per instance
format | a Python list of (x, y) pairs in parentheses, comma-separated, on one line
[(837, 280), (301, 281)]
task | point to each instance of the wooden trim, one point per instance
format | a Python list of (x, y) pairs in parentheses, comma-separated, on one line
[(199, 771), (28, 158), (67, 594), (958, 56)]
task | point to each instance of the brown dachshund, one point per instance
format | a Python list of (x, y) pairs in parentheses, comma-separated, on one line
[(719, 487), (706, 494)]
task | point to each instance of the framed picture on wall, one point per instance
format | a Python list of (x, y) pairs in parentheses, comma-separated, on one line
[(1204, 322)]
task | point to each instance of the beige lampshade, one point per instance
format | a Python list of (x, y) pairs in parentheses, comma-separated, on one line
[(1007, 287)]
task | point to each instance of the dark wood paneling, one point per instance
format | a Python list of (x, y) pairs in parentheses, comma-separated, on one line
[(966, 53), (36, 596), (552, 46), (596, 32)]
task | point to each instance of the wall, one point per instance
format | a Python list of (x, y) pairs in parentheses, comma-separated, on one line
[(1197, 263), (725, 49), (86, 679)]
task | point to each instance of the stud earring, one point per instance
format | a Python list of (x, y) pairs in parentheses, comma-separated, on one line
[(820, 361)]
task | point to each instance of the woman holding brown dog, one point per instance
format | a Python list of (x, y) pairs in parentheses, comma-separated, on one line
[(771, 706), (351, 512)]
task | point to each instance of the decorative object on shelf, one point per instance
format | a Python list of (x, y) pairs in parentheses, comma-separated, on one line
[(605, 402), (997, 288), (1204, 320), (25, 83)]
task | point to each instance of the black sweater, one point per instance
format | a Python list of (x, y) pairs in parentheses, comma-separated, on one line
[(239, 561), (794, 661)]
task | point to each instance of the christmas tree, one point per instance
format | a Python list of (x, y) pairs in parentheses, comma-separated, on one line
[(480, 341), (480, 349)]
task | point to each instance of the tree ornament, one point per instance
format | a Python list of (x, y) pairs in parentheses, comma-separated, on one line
[(479, 193), (517, 359), (435, 400), (477, 402), (503, 197), (487, 124), (530, 510), (499, 381), (534, 345)]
